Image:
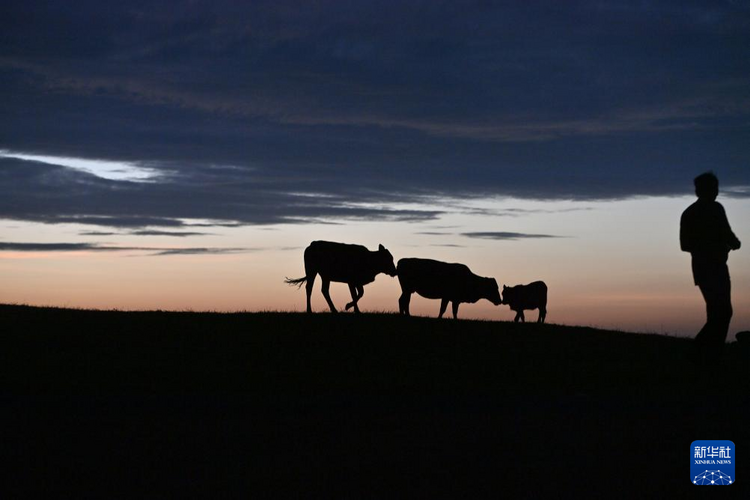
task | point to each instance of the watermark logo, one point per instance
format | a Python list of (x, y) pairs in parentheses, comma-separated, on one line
[(712, 463)]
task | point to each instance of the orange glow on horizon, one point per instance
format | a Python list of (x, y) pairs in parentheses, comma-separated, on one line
[(608, 271)]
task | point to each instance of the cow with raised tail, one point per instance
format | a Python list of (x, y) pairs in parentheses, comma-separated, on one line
[(354, 265), (433, 279), (523, 297)]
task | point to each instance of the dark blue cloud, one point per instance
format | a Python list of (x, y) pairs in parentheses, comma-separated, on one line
[(175, 234), (242, 105), (34, 191), (145, 232), (505, 235), (97, 247)]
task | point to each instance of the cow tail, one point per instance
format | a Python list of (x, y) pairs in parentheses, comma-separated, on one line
[(298, 282)]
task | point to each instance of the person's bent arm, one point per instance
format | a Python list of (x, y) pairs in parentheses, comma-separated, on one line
[(731, 239), (734, 242)]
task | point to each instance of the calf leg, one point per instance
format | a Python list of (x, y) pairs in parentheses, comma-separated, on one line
[(324, 288), (403, 303), (455, 309), (542, 315), (309, 290), (443, 307)]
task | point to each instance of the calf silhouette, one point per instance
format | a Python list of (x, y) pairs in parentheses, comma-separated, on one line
[(354, 265), (522, 297), (433, 279)]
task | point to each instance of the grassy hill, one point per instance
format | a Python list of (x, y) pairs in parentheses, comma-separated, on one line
[(162, 404)]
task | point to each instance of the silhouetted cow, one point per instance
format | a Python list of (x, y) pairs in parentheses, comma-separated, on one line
[(522, 297), (433, 279), (354, 265)]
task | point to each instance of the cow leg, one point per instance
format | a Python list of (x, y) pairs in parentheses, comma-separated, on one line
[(324, 288), (357, 293), (523, 317), (443, 307), (360, 294), (455, 309), (519, 315), (542, 315), (309, 290), (403, 303), (353, 303)]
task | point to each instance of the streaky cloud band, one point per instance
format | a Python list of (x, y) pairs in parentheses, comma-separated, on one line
[(506, 235), (97, 247)]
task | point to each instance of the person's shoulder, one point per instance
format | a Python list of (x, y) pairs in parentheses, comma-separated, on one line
[(712, 209), (691, 209), (718, 207)]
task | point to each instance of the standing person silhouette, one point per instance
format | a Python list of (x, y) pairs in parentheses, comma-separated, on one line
[(705, 233)]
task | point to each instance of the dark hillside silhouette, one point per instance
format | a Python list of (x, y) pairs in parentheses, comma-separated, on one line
[(354, 265), (527, 297), (124, 405), (433, 279), (706, 234)]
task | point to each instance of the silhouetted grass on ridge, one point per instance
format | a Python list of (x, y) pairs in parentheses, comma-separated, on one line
[(279, 352)]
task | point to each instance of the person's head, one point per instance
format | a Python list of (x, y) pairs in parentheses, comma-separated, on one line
[(706, 186)]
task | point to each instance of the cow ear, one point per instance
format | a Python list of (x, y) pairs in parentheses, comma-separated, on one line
[(381, 248), (505, 287)]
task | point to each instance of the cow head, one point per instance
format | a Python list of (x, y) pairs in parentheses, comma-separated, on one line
[(492, 292), (507, 295), (385, 261)]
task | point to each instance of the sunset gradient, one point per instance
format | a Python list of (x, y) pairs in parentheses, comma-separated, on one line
[(182, 155), (610, 264)]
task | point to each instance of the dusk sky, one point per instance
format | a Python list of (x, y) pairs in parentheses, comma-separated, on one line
[(165, 155)]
